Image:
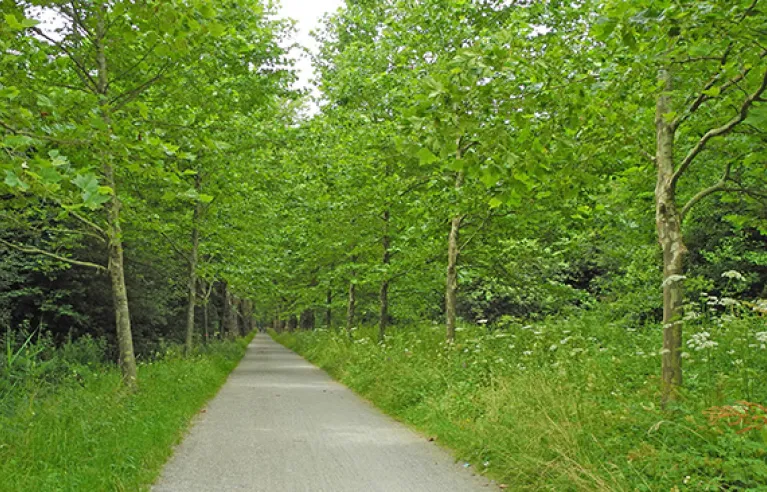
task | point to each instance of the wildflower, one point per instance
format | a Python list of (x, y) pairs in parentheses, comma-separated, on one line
[(735, 275), (553, 348), (701, 341), (481, 321), (761, 336), (527, 352), (729, 301), (691, 315)]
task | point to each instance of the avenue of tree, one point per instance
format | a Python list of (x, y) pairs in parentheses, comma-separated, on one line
[(469, 161)]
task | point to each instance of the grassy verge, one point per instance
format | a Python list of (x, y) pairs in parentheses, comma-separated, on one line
[(568, 404), (85, 432)]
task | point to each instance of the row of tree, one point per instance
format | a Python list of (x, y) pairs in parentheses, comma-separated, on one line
[(529, 144), (135, 125), (477, 159)]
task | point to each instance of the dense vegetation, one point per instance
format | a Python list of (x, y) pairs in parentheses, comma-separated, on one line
[(563, 201)]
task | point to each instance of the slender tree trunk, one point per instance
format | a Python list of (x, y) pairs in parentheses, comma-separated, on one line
[(451, 291), (206, 311), (114, 229), (351, 308), (236, 329), (383, 319), (206, 320), (669, 227), (230, 315), (248, 314), (192, 287), (328, 309), (307, 319), (292, 323)]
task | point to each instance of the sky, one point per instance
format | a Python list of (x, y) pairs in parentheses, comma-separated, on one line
[(307, 14)]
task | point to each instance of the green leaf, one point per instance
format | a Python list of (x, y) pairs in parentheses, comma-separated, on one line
[(14, 182), (13, 22), (9, 92), (216, 29), (17, 25), (426, 156)]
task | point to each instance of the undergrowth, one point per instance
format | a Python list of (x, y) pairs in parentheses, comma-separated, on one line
[(570, 404), (68, 424)]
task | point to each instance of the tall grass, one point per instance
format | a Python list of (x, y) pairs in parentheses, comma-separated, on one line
[(568, 404), (76, 428)]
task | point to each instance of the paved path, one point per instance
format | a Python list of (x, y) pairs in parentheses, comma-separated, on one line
[(281, 424)]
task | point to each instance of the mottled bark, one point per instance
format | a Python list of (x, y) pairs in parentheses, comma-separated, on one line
[(451, 286), (351, 308), (669, 229), (383, 295), (114, 229), (230, 316), (192, 282)]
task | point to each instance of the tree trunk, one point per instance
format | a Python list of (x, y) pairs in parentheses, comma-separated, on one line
[(451, 291), (206, 321), (669, 228), (206, 311), (329, 310), (192, 286), (236, 329), (114, 229), (230, 315), (292, 323), (351, 308), (383, 319), (307, 319), (248, 314)]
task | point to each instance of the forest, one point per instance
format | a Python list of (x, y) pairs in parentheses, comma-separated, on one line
[(535, 230)]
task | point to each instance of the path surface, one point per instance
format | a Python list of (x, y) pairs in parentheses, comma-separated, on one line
[(280, 424)]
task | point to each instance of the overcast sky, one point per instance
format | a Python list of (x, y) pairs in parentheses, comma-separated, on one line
[(307, 14)]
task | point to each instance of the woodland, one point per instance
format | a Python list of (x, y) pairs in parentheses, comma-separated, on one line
[(536, 230)]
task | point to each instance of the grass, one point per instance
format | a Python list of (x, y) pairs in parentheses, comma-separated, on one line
[(568, 404), (86, 432)]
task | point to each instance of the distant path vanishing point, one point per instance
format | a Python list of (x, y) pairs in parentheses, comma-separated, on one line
[(280, 424)]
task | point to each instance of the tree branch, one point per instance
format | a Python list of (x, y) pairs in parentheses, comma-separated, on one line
[(127, 96), (718, 187), (81, 71), (37, 251), (722, 130), (175, 248), (702, 97), (25, 133)]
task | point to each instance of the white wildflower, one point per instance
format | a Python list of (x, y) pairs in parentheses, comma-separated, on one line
[(735, 275), (701, 341)]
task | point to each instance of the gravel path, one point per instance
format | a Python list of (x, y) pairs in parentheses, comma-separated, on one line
[(281, 424)]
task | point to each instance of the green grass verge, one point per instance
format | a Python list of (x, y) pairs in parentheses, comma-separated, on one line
[(567, 404), (87, 433)]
